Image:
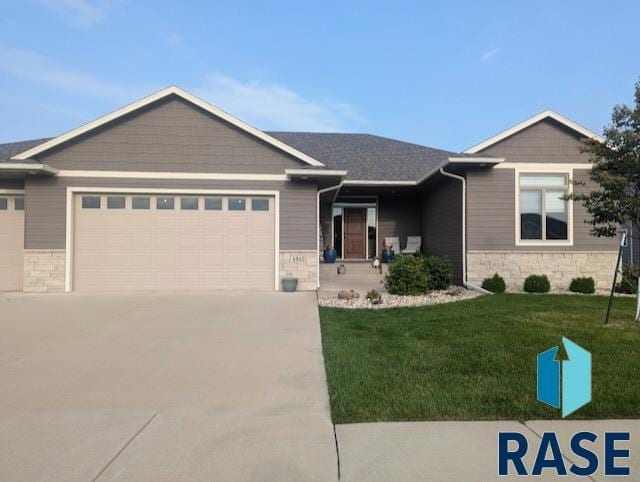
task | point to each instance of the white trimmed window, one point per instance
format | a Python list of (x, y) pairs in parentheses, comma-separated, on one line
[(543, 215)]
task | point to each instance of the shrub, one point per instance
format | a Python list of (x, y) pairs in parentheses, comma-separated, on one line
[(583, 285), (407, 276), (374, 297), (495, 284), (629, 282), (439, 271), (537, 283)]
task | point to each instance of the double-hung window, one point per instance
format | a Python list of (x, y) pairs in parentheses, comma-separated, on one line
[(544, 212)]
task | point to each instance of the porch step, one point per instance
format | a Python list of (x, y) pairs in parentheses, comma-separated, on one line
[(352, 272)]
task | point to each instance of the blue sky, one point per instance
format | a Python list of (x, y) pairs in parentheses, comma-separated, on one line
[(443, 74)]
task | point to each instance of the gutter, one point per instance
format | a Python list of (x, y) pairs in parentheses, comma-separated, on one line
[(465, 279), (29, 168), (320, 192)]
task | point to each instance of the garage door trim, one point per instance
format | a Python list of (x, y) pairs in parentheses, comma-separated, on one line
[(72, 191)]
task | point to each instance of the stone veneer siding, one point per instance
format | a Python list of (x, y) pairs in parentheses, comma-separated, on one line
[(301, 264), (44, 270), (560, 266)]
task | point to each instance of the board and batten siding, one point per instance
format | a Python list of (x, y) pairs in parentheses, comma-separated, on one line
[(170, 135), (442, 223), (546, 141), (45, 220), (398, 216), (491, 215)]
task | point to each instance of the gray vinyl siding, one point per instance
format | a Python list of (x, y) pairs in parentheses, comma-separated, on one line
[(170, 135), (546, 141), (442, 223), (11, 183), (491, 215), (45, 215), (399, 216)]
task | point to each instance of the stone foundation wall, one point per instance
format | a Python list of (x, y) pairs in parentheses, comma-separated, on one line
[(560, 266), (44, 270), (301, 264)]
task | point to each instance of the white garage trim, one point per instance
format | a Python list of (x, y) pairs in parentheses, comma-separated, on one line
[(71, 191), (11, 191)]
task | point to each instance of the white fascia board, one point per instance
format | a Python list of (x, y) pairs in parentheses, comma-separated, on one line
[(172, 175), (358, 182), (28, 167), (547, 114), (314, 173), (476, 160), (171, 90)]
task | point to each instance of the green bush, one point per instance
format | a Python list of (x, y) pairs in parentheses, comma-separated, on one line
[(583, 285), (537, 283), (407, 276), (629, 282), (439, 271), (495, 284)]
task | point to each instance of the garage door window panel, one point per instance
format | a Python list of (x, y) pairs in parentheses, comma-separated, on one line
[(259, 204), (213, 203), (3, 203), (19, 203), (165, 203), (90, 202), (116, 202), (189, 203), (236, 204), (138, 202)]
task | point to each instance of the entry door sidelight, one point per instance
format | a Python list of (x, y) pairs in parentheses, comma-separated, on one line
[(355, 233)]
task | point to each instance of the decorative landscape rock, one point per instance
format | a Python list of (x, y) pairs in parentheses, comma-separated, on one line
[(455, 293), (348, 295)]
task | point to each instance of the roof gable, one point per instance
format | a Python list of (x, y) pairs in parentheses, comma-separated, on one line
[(164, 93), (547, 114)]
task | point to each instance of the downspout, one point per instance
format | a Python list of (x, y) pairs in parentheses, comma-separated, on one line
[(320, 192), (465, 280)]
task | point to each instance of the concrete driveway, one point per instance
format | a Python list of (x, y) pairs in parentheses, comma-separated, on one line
[(163, 386)]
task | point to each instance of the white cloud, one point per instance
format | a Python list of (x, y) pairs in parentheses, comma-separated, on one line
[(267, 106), (32, 67), (276, 107), (80, 13), (489, 54)]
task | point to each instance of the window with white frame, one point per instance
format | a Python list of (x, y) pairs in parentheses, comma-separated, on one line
[(544, 213)]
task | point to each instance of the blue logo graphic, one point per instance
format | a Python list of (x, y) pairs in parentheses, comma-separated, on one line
[(575, 379)]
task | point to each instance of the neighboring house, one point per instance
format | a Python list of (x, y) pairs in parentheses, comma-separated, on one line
[(172, 193)]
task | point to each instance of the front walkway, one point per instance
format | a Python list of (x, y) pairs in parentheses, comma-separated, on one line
[(464, 451), (163, 386)]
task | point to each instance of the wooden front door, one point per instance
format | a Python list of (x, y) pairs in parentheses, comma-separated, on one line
[(355, 239)]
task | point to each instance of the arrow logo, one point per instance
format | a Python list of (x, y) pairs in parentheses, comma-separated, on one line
[(569, 380)]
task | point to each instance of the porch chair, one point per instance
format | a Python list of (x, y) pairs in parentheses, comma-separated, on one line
[(413, 245)]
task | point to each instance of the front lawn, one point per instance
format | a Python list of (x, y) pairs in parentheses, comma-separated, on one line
[(476, 359)]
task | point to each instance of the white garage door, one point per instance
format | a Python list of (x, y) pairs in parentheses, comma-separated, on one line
[(143, 242), (11, 242)]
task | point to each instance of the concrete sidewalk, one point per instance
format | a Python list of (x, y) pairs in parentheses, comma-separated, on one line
[(460, 451)]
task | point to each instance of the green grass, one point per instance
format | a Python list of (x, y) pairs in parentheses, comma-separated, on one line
[(475, 359)]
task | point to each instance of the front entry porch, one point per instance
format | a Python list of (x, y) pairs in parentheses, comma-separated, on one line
[(356, 222), (359, 276)]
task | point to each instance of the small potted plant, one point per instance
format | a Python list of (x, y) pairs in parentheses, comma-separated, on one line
[(330, 255), (387, 253), (289, 284), (374, 297)]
